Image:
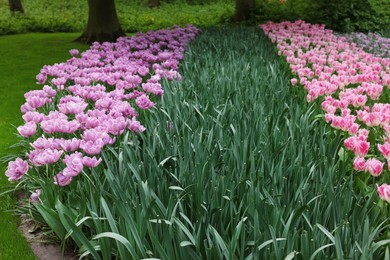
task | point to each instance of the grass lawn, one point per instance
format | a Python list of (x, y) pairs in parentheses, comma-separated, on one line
[(22, 56)]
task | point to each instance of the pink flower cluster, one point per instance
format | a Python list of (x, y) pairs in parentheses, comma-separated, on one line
[(351, 83), (87, 101)]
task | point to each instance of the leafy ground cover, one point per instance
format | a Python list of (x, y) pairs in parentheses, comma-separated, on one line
[(234, 164), (134, 16), (352, 86), (22, 57)]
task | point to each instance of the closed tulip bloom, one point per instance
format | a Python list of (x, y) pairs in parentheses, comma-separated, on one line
[(74, 52), (294, 81), (359, 164), (35, 196)]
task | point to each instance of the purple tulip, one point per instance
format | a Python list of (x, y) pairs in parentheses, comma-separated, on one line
[(16, 169)]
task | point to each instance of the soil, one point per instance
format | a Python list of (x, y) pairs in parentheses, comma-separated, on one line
[(42, 249), (39, 244)]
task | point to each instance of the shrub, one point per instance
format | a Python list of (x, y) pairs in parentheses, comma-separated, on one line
[(343, 16)]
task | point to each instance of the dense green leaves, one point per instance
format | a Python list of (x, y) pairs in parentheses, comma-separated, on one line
[(134, 16), (342, 16)]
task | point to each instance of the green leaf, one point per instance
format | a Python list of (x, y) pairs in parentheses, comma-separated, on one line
[(120, 239), (221, 243), (291, 255), (186, 243), (79, 237), (176, 188), (319, 250), (52, 219), (326, 232)]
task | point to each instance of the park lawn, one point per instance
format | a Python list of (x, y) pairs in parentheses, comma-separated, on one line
[(22, 56)]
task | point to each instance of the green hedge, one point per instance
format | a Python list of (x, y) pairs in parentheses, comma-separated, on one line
[(342, 16)]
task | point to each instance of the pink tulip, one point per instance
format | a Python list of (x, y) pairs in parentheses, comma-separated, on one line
[(93, 93), (294, 81), (74, 164), (374, 167), (144, 102), (70, 145), (62, 180), (91, 162), (16, 169), (28, 129), (35, 196), (33, 117), (359, 164), (44, 157), (74, 52), (135, 125), (385, 150), (384, 192)]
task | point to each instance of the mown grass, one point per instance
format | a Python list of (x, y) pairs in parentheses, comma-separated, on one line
[(234, 165), (22, 56)]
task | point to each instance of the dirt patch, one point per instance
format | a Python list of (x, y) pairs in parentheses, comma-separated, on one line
[(39, 244), (42, 249)]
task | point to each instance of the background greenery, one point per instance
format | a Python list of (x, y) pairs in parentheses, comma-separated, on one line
[(134, 15), (342, 16), (71, 15), (22, 56)]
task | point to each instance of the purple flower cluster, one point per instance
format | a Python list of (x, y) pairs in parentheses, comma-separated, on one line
[(372, 42), (87, 101)]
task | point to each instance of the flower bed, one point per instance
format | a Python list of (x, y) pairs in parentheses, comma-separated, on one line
[(88, 102), (372, 42), (351, 84)]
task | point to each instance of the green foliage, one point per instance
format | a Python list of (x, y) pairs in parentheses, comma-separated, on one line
[(343, 16), (134, 16), (142, 19), (234, 165), (275, 10), (355, 15)]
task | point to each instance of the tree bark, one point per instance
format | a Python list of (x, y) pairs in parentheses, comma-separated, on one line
[(103, 24), (153, 3), (243, 10), (15, 6)]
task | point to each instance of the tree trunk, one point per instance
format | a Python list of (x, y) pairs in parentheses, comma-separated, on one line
[(103, 24), (243, 10), (153, 3), (15, 6)]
